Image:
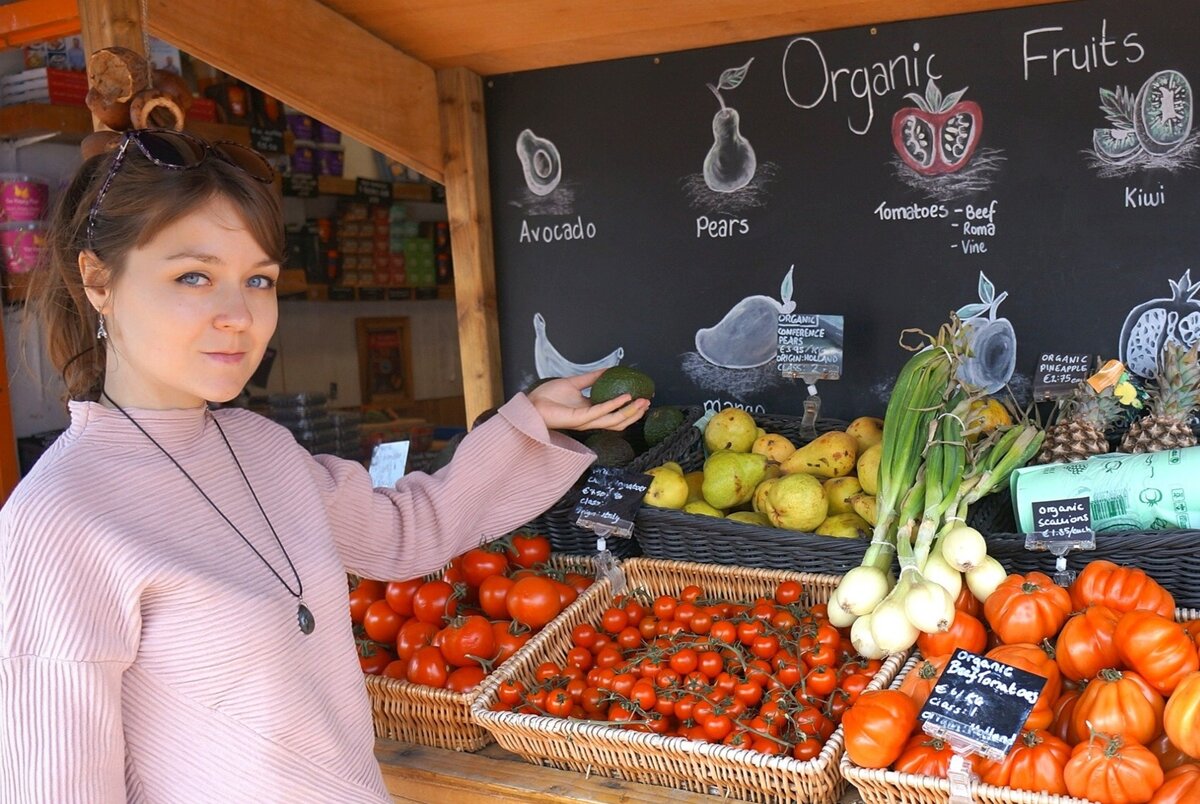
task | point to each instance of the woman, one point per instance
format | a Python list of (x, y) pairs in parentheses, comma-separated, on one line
[(173, 614)]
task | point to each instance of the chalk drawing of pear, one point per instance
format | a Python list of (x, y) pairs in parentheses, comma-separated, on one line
[(730, 163), (991, 342), (549, 362), (540, 163), (748, 335)]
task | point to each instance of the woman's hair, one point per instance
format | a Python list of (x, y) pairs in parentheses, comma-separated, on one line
[(142, 199)]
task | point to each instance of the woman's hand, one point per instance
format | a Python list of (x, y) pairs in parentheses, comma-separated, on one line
[(562, 406)]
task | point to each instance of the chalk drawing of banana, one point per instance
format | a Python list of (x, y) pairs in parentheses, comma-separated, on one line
[(551, 363)]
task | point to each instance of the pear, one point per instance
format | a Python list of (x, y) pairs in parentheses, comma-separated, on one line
[(776, 447), (702, 508), (759, 432), (674, 467), (731, 477), (695, 481), (667, 489), (731, 429), (797, 502), (759, 499), (829, 455), (750, 518), (868, 469), (844, 526), (867, 431), (839, 490), (865, 506)]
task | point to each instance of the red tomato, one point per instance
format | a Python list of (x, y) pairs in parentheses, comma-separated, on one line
[(395, 669), (788, 592), (1027, 608), (481, 563), (465, 679), (664, 607), (534, 601), (375, 662), (493, 596), (428, 667), (381, 622), (468, 641), (584, 635), (399, 595), (434, 601), (940, 136), (529, 550), (614, 620), (414, 634), (362, 596), (509, 637)]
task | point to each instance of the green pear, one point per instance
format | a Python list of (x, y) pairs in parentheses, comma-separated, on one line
[(668, 489), (695, 481), (703, 509), (798, 502), (731, 477), (760, 494), (731, 429), (750, 518), (868, 468), (844, 526), (775, 446), (839, 490)]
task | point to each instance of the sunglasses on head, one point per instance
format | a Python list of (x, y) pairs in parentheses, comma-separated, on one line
[(178, 150)]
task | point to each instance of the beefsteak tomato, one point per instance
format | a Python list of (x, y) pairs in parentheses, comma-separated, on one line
[(1181, 786), (925, 756), (877, 727), (1181, 718), (1085, 645), (1119, 703), (1157, 648), (1107, 770), (1121, 589), (1027, 608), (1035, 762)]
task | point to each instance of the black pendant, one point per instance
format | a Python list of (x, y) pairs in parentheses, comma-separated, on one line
[(305, 619)]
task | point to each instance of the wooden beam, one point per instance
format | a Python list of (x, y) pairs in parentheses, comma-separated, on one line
[(469, 207), (10, 470), (111, 23), (316, 60)]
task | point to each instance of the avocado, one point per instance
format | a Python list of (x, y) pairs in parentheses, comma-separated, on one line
[(610, 448), (622, 380), (661, 423)]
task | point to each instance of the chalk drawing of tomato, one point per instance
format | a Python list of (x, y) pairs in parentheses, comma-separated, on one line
[(1155, 323), (939, 134)]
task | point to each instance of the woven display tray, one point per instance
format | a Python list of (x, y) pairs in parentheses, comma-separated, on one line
[(893, 787), (678, 536), (673, 762), (1172, 557), (558, 522), (414, 713)]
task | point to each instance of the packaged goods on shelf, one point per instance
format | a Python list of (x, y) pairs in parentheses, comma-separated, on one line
[(44, 85)]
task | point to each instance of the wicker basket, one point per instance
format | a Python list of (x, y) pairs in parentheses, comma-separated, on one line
[(672, 762), (893, 787), (558, 522), (1171, 557), (414, 713)]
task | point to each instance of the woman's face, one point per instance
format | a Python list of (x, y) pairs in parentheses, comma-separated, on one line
[(191, 314)]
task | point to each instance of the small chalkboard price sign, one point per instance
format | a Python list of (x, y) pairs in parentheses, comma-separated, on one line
[(300, 185), (810, 346), (1057, 374), (609, 500), (1063, 520), (372, 190), (979, 705)]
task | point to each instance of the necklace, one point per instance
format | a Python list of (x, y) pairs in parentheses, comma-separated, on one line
[(304, 617)]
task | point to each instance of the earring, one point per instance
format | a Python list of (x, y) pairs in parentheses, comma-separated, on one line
[(101, 332)]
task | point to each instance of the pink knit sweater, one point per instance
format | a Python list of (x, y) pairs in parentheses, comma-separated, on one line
[(147, 655)]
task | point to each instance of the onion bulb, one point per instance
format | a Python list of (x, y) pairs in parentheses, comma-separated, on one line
[(964, 548), (928, 606), (838, 616), (861, 639), (890, 628), (861, 590), (940, 572), (984, 579)]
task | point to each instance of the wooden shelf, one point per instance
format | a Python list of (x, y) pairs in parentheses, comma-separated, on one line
[(339, 293), (72, 123), (401, 191)]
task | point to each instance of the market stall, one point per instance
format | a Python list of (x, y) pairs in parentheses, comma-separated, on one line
[(828, 566)]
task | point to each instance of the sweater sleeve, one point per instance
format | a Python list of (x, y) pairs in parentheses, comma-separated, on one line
[(66, 637), (505, 472)]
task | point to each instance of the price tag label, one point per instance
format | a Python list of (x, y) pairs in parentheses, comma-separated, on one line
[(300, 185), (388, 463), (1065, 521), (810, 346), (267, 140), (609, 500), (980, 704), (373, 190), (1057, 374)]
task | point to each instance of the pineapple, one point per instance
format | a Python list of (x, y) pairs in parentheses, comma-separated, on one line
[(1080, 426), (1173, 396)]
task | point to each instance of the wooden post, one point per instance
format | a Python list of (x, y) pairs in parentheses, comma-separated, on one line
[(10, 470), (468, 203), (111, 23)]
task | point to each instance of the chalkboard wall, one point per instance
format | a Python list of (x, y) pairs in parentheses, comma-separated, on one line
[(623, 233)]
